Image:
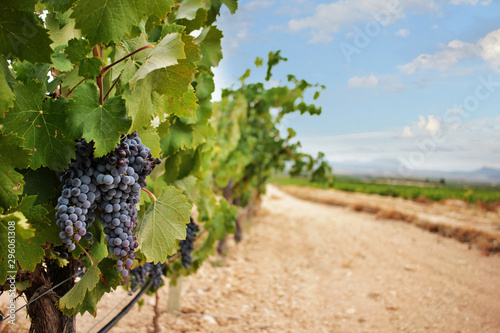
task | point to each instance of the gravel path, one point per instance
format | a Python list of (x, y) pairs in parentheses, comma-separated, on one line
[(308, 267)]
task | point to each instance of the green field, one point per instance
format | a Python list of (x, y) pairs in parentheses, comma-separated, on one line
[(431, 190)]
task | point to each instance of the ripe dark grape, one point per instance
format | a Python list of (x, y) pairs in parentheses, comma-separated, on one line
[(112, 184), (115, 178), (77, 201), (187, 245), (62, 250), (140, 274)]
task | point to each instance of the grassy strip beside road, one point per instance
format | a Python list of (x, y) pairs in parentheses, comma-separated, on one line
[(434, 191)]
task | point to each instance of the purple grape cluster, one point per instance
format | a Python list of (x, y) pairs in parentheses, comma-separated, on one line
[(140, 273), (76, 205), (187, 245), (112, 184), (119, 177)]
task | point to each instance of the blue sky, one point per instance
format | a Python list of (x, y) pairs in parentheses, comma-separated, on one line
[(411, 84)]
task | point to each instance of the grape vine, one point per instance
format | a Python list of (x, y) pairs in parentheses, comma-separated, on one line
[(94, 94)]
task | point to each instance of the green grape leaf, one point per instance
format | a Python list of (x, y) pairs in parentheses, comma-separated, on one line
[(36, 215), (169, 28), (165, 54), (61, 63), (28, 251), (102, 123), (179, 137), (159, 8), (13, 156), (77, 49), (210, 46), (22, 35), (174, 81), (188, 9), (6, 94), (188, 185), (191, 48), (102, 21), (26, 5), (197, 22), (208, 202), (75, 297), (61, 36), (205, 86), (90, 67), (151, 139), (27, 71), (182, 107), (109, 278), (61, 5), (139, 104), (42, 183), (163, 224), (258, 61), (164, 128), (201, 133), (232, 5), (41, 122), (172, 167)]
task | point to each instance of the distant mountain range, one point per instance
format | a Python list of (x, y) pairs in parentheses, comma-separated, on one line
[(392, 169)]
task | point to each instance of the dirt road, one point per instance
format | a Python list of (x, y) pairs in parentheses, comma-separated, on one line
[(306, 267)]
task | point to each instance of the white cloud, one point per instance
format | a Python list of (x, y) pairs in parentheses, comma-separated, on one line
[(461, 2), (487, 49), (257, 5), (431, 124), (403, 33), (361, 82), (329, 18), (490, 49), (388, 83), (407, 132), (452, 53), (472, 145), (470, 2)]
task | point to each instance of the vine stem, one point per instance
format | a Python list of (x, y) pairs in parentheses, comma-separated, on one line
[(88, 256), (112, 86), (71, 90), (105, 69), (150, 194), (157, 313)]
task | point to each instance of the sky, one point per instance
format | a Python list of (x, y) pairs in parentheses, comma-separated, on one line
[(410, 84)]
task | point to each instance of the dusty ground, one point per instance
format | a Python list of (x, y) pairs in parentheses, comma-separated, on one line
[(453, 218), (308, 267)]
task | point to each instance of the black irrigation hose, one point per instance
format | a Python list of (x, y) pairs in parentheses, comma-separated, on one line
[(126, 309)]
